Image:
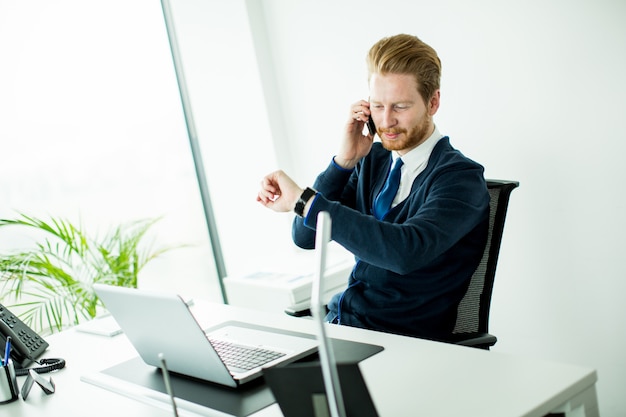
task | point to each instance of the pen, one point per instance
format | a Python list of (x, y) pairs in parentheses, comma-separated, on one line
[(7, 351), (168, 384)]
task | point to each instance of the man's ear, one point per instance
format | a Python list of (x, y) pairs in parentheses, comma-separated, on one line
[(433, 103)]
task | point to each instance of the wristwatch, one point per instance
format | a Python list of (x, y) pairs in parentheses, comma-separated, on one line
[(304, 198)]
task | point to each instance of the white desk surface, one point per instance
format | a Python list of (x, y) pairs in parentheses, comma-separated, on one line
[(434, 379)]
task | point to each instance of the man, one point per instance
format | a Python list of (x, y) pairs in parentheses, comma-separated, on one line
[(414, 257)]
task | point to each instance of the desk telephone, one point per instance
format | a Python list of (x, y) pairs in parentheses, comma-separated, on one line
[(26, 345)]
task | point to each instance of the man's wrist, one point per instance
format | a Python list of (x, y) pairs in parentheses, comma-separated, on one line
[(305, 197), (344, 163)]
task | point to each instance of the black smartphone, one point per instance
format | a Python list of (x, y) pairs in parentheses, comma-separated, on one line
[(371, 126)]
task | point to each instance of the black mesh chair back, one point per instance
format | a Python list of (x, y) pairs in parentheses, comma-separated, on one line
[(472, 326)]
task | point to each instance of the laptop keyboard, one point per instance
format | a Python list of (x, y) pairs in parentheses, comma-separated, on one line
[(243, 357)]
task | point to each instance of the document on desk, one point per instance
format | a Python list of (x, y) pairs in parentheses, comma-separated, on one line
[(102, 326)]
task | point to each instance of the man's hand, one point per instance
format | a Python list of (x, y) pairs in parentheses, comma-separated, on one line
[(355, 144), (279, 192)]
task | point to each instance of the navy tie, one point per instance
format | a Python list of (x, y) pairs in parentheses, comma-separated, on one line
[(382, 204)]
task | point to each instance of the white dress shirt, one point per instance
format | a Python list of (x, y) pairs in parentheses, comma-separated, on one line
[(415, 161)]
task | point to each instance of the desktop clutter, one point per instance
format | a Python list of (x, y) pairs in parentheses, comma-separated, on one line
[(234, 367), (334, 385), (22, 347)]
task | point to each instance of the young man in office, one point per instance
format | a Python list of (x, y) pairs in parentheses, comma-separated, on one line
[(415, 252)]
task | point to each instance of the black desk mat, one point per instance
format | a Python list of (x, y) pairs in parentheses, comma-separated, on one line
[(239, 402)]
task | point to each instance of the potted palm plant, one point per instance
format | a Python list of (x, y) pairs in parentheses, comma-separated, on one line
[(51, 283)]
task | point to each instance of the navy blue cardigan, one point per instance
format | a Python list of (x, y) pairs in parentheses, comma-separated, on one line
[(414, 266)]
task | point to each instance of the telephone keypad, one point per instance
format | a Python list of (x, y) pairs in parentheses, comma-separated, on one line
[(27, 345)]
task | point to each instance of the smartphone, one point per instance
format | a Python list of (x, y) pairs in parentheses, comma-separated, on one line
[(371, 126)]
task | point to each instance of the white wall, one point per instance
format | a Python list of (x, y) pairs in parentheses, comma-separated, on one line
[(534, 91)]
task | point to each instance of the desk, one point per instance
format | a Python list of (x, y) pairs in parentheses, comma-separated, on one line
[(436, 379)]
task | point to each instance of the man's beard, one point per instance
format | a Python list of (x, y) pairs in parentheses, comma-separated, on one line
[(416, 136)]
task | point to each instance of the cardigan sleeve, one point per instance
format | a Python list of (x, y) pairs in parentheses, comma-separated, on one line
[(333, 184), (450, 202)]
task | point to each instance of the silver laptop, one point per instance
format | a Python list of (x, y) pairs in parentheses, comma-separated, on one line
[(162, 324)]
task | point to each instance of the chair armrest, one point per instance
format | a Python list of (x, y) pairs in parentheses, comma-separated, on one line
[(302, 312), (298, 313), (476, 340)]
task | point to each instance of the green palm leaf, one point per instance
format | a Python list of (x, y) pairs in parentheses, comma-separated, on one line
[(52, 283)]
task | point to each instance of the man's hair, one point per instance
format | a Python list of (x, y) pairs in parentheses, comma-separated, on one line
[(406, 54)]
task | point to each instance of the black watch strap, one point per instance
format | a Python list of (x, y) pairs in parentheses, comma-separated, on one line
[(304, 198)]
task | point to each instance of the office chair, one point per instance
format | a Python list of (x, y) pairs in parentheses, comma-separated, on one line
[(472, 325)]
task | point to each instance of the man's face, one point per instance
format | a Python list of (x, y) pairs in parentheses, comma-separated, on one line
[(403, 121)]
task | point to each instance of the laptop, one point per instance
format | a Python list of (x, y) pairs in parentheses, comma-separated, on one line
[(162, 325)]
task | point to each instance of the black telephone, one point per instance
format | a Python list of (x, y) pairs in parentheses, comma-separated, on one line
[(371, 126), (26, 345)]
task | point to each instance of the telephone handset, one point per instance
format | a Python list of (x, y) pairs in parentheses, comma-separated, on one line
[(26, 345)]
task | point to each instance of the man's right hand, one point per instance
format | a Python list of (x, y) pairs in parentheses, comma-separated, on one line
[(355, 145)]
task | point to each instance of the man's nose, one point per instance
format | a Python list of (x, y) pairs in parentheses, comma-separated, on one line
[(388, 120)]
